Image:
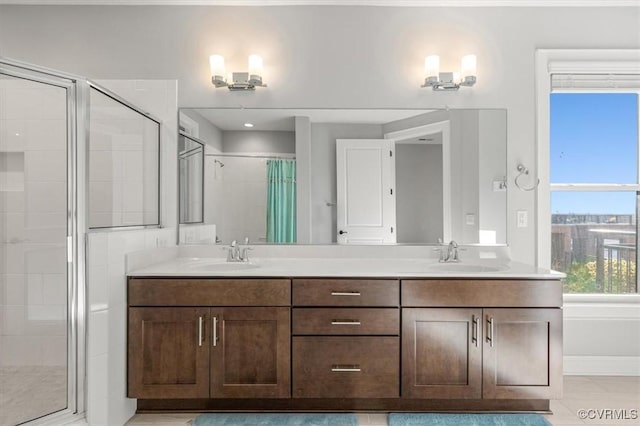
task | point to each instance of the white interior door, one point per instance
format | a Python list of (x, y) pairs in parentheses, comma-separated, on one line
[(366, 191)]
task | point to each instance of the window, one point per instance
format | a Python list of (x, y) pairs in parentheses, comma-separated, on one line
[(593, 167)]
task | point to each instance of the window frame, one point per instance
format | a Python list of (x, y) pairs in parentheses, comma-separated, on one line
[(574, 61)]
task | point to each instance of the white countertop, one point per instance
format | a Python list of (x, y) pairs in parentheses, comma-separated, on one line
[(182, 263)]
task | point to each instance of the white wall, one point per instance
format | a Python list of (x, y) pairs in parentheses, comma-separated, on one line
[(375, 64), (260, 141), (492, 209), (206, 131)]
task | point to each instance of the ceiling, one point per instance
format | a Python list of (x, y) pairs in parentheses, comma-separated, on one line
[(284, 119), (398, 3)]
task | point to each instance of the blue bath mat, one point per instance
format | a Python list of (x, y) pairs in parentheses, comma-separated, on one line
[(275, 419), (439, 419)]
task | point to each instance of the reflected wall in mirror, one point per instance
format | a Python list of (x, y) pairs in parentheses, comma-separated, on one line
[(448, 176), (191, 179)]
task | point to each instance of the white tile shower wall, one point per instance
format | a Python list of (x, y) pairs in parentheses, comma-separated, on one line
[(106, 383), (107, 403), (32, 224), (241, 190)]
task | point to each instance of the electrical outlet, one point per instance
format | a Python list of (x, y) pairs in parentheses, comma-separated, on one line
[(522, 219), (470, 219), (499, 186)]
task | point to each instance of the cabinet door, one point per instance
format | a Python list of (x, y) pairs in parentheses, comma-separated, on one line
[(522, 353), (441, 353), (250, 353), (168, 355)]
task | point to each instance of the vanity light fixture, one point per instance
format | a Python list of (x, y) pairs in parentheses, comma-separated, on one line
[(237, 80), (449, 80)]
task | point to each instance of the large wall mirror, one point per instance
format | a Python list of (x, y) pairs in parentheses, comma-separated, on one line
[(351, 176)]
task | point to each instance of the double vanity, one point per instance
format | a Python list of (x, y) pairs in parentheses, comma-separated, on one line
[(328, 331)]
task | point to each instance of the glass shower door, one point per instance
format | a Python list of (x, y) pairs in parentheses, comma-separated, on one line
[(35, 220)]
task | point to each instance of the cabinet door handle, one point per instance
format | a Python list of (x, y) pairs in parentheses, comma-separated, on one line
[(345, 322), (345, 293), (348, 368), (200, 321), (475, 330), (214, 327), (490, 331)]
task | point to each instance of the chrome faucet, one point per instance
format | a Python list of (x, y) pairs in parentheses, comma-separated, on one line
[(235, 254), (244, 255), (451, 253)]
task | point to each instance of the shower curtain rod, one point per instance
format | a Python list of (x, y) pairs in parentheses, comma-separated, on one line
[(275, 157)]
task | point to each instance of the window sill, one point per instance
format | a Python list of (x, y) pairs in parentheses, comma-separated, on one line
[(601, 298)]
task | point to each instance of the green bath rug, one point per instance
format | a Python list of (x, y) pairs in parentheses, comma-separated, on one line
[(275, 419), (439, 419)]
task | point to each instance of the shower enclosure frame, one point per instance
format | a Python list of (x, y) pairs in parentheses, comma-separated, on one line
[(77, 91)]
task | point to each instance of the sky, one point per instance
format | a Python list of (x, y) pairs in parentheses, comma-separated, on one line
[(594, 139)]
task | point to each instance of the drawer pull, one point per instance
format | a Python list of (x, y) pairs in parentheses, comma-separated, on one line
[(339, 368), (345, 293), (345, 322)]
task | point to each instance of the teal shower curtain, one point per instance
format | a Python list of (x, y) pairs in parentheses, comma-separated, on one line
[(281, 201)]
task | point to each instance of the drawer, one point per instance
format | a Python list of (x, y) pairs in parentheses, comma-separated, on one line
[(346, 367), (486, 293), (346, 292), (208, 292), (346, 321)]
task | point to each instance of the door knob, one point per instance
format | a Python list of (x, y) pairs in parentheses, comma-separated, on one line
[(342, 232)]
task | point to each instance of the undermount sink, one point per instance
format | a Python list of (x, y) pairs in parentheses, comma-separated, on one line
[(465, 267), (214, 266)]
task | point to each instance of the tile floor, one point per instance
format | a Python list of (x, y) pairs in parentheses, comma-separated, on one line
[(580, 393), (21, 386)]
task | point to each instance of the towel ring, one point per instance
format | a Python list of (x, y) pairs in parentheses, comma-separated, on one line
[(523, 171)]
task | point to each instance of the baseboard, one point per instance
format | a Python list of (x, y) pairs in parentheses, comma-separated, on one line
[(601, 365)]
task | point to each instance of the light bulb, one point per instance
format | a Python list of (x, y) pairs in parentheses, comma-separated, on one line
[(432, 66), (216, 62), (255, 65), (468, 68)]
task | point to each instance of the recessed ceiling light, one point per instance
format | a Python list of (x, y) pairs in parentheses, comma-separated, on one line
[(248, 124)]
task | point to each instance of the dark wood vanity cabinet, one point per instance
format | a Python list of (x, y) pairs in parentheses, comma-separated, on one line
[(483, 352), (344, 344), (209, 351)]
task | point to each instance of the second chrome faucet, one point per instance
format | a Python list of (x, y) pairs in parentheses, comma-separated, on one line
[(236, 253)]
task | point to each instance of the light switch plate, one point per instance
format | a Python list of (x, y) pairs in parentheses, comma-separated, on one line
[(522, 219)]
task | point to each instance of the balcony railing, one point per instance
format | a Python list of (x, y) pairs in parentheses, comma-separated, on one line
[(597, 258)]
